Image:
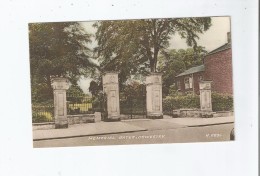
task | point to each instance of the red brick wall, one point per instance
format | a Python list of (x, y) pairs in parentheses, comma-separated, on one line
[(218, 68), (195, 82)]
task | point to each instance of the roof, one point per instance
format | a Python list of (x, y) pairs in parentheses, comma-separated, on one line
[(192, 70), (221, 48)]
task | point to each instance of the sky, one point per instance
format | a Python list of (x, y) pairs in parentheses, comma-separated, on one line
[(211, 39)]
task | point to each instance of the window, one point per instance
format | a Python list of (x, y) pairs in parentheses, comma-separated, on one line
[(188, 82), (200, 78), (178, 85)]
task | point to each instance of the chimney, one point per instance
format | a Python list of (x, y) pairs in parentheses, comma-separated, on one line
[(229, 37)]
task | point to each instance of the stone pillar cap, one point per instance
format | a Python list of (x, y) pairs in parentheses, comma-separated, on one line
[(110, 72), (205, 81), (155, 73), (60, 83)]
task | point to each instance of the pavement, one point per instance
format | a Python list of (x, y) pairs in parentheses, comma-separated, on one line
[(126, 126)]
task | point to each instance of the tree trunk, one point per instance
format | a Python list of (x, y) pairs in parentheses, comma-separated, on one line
[(152, 65), (156, 51), (153, 61), (50, 90)]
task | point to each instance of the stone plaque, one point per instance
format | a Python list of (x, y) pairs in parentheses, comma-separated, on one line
[(156, 80), (113, 101), (60, 104), (112, 79), (156, 100)]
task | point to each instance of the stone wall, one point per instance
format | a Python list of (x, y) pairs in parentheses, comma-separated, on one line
[(81, 118), (223, 114), (43, 126), (196, 113), (187, 113), (72, 119)]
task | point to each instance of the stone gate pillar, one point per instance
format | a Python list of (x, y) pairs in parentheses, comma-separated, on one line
[(154, 96), (60, 85), (111, 89), (205, 96)]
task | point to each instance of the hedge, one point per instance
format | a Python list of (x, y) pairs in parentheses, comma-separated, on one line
[(220, 102), (181, 101), (42, 117)]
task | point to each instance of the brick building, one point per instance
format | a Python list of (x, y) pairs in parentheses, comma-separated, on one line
[(217, 68), (189, 79)]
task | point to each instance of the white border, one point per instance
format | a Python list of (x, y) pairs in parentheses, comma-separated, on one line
[(17, 156)]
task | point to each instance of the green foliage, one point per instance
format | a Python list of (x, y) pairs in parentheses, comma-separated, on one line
[(39, 118), (133, 98), (179, 101), (222, 102), (133, 106), (99, 102), (58, 49), (80, 108), (132, 46), (36, 118), (75, 90), (75, 94), (43, 112), (78, 101), (133, 89), (173, 62), (94, 88), (40, 91)]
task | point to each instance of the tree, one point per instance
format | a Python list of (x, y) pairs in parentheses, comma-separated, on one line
[(133, 89), (74, 94), (74, 90), (58, 49), (133, 46), (94, 88), (173, 62)]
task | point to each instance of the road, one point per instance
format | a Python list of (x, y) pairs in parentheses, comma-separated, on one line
[(180, 135)]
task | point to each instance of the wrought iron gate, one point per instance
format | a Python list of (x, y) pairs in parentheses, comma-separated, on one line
[(133, 102)]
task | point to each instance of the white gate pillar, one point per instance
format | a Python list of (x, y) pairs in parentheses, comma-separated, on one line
[(154, 96), (205, 96), (60, 85), (111, 89)]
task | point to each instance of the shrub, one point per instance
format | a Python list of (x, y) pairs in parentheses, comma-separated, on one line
[(99, 103), (42, 112), (38, 118), (222, 102), (178, 101)]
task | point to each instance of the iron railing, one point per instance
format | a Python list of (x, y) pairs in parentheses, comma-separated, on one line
[(79, 104), (42, 113)]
